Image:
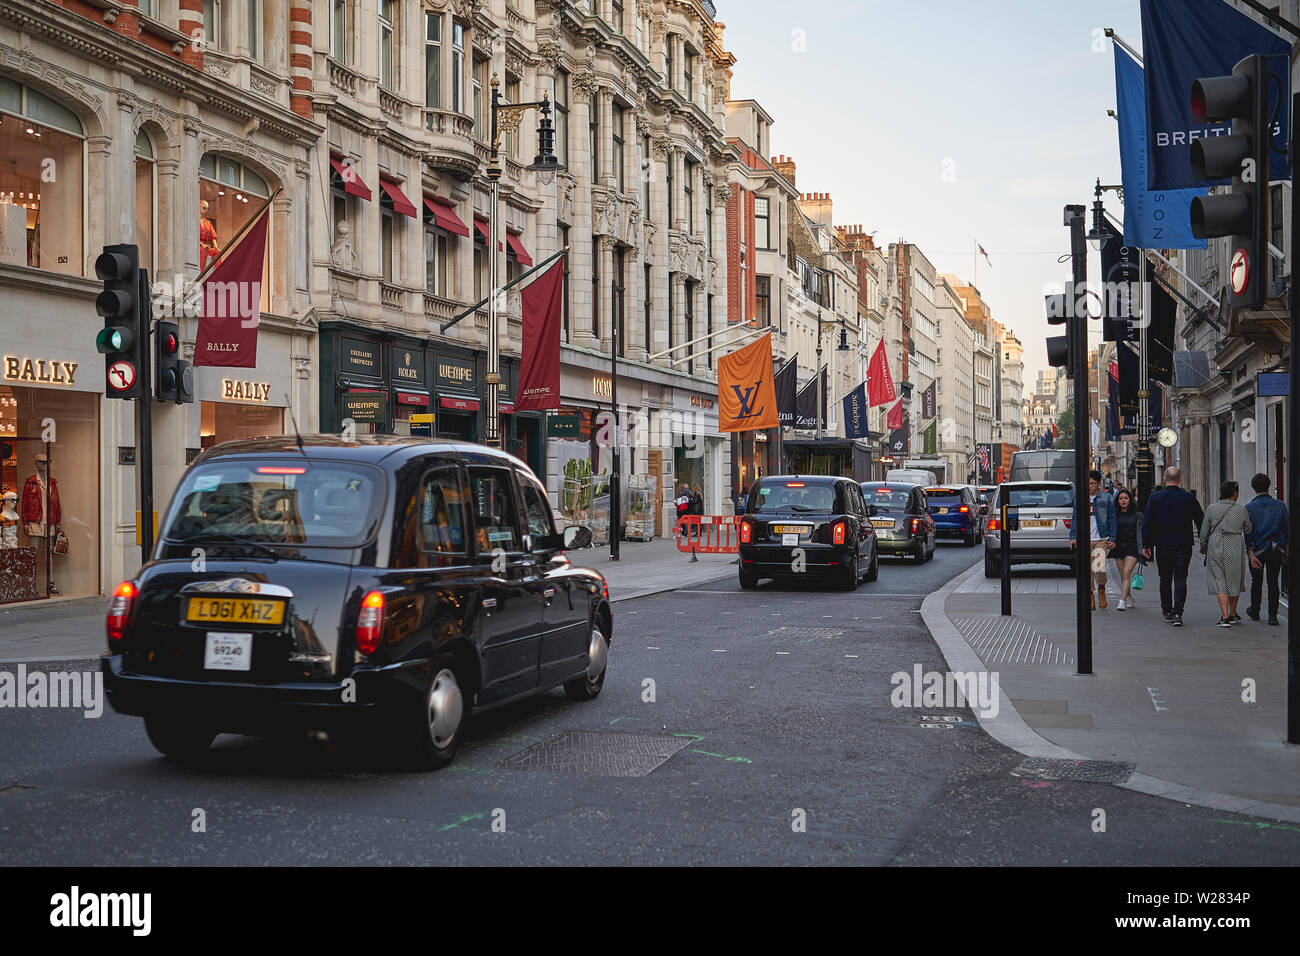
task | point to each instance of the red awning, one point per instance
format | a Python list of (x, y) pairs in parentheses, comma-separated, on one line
[(518, 247), (413, 398), (507, 408), (481, 225), (460, 404), (352, 183), (400, 202), (445, 216)]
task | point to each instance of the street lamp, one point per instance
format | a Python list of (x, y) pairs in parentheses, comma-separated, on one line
[(843, 347), (506, 118)]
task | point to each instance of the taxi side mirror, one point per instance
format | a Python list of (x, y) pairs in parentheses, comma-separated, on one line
[(576, 537), (872, 511)]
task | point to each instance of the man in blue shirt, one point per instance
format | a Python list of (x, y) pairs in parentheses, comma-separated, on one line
[(1101, 537), (1268, 541), (1171, 519)]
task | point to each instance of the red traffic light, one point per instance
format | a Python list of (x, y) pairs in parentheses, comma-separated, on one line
[(169, 342)]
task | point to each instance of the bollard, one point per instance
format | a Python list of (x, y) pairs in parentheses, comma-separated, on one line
[(1006, 560)]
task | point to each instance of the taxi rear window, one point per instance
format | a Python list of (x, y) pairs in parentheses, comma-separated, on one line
[(943, 496), (279, 501)]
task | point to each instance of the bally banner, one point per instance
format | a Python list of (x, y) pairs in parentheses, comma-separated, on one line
[(539, 366), (231, 303), (855, 413), (880, 383), (746, 391)]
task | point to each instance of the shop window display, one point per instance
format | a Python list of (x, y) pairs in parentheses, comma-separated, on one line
[(41, 181), (224, 421), (230, 195), (49, 494)]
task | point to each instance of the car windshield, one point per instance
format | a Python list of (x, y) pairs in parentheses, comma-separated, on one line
[(1046, 497), (323, 504), (795, 496), (886, 498)]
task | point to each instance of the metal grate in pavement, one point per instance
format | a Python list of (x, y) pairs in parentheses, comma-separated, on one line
[(1086, 771), (805, 633), (1009, 640), (598, 754)]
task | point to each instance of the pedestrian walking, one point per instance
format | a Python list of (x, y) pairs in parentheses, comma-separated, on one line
[(1169, 524), (697, 508), (1128, 545), (1269, 539), (1101, 538), (683, 505), (1223, 542)]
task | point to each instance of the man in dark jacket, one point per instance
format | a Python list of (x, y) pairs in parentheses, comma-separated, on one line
[(1171, 520), (1268, 541)]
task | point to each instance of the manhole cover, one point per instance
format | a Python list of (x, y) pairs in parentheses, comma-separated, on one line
[(1087, 771), (607, 755)]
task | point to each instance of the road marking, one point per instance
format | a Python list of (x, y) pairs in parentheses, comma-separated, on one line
[(850, 655), (652, 648), (719, 650), (783, 653)]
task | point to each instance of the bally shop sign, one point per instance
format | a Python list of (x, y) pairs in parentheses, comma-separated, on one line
[(365, 408), (239, 391), (27, 371), (407, 365), (456, 373)]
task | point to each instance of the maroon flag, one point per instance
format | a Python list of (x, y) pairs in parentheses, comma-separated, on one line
[(232, 304), (880, 384), (895, 417), (539, 369)]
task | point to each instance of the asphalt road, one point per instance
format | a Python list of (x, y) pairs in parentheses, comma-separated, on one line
[(775, 702)]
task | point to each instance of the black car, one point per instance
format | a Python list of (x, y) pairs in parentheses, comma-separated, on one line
[(381, 590), (797, 526), (901, 516)]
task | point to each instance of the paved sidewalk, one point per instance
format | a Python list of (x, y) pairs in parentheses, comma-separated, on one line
[(75, 630), (1168, 699)]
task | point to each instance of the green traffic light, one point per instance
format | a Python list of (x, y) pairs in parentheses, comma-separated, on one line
[(113, 339)]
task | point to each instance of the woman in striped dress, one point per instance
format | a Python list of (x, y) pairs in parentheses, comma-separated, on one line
[(1223, 543)]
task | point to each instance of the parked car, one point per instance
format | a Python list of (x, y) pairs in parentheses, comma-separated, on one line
[(956, 513), (825, 517), (1040, 528), (901, 518), (382, 590)]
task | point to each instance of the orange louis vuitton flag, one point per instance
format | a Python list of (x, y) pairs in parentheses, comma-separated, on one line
[(746, 394)]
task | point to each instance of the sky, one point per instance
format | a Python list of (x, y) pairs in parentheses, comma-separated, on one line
[(876, 101)]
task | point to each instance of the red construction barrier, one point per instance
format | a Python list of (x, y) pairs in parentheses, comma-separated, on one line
[(708, 534)]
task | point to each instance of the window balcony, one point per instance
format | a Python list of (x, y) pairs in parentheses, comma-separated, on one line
[(451, 146), (341, 78), (391, 296), (390, 104)]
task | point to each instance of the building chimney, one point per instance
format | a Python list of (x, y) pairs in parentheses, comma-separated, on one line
[(785, 166)]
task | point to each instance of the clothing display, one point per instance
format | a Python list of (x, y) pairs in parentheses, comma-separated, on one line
[(40, 525), (9, 521)]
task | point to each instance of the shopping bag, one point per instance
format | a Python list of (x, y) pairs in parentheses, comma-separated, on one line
[(1138, 583)]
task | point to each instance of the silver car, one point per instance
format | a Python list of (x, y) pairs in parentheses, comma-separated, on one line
[(1040, 517)]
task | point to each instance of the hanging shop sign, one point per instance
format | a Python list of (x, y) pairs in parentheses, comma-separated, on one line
[(563, 426), (365, 407)]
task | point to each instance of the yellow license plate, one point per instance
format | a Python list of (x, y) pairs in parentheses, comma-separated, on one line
[(943, 511), (791, 529), (234, 611), (1037, 524), (883, 523)]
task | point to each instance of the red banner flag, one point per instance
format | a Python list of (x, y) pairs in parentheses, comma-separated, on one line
[(539, 368), (880, 384), (232, 304), (895, 417)]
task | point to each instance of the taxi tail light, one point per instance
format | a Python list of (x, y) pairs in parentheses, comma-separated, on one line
[(1068, 523), (964, 509), (916, 525), (746, 532), (119, 610), (995, 524), (839, 531), (370, 622)]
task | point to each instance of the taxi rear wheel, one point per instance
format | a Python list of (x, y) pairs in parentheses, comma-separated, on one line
[(873, 572), (748, 581), (176, 737), (429, 732)]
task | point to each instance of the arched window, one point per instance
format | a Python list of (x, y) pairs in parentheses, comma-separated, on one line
[(42, 181), (230, 195), (146, 202)]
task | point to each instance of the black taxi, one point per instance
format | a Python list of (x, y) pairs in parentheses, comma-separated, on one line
[(380, 589), (796, 527)]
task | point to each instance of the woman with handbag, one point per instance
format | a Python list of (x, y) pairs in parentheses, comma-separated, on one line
[(1128, 545), (1223, 542)]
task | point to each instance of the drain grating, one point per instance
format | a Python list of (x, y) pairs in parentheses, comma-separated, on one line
[(1009, 640), (805, 634), (606, 755), (1086, 771)]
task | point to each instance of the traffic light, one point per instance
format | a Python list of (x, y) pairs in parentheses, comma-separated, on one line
[(1060, 353), (175, 377), (1242, 156), (124, 335)]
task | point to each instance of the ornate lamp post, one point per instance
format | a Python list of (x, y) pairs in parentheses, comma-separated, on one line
[(506, 118), (842, 347)]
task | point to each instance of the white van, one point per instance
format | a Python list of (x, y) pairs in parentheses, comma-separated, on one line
[(911, 476)]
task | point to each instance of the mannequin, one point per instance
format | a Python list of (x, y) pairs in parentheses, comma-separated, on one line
[(207, 236), (39, 525), (9, 520)]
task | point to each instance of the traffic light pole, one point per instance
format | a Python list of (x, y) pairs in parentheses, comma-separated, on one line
[(144, 422), (1078, 331), (1293, 466)]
